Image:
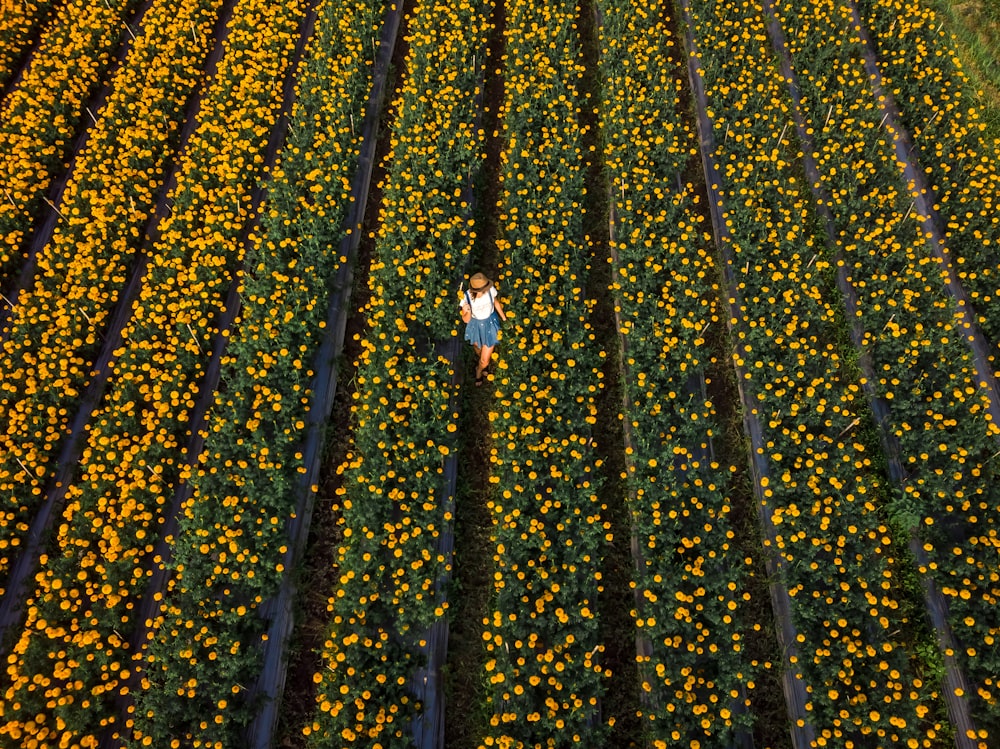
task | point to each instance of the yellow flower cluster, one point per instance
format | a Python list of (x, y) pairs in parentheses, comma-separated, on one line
[(823, 493), (394, 503), (39, 117), (55, 330), (232, 547), (73, 648), (690, 582), (543, 636), (18, 22), (918, 61)]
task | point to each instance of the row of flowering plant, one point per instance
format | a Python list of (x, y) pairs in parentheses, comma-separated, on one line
[(961, 162), (227, 557), (543, 636), (56, 329), (823, 488), (911, 326), (691, 579), (72, 653), (41, 114), (392, 503), (18, 23)]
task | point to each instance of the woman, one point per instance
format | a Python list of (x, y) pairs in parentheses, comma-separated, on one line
[(481, 313)]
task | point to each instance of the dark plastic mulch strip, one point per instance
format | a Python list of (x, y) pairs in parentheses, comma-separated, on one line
[(803, 732), (271, 683), (427, 683), (937, 606)]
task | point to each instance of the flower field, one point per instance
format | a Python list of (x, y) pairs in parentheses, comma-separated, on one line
[(946, 127), (836, 553), (788, 210), (542, 636), (19, 22), (78, 617), (41, 113), (197, 689), (53, 335), (690, 581), (918, 409), (394, 501)]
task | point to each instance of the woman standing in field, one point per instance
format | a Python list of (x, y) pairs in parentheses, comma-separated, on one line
[(482, 313)]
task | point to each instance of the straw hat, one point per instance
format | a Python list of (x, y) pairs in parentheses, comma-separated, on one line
[(479, 282)]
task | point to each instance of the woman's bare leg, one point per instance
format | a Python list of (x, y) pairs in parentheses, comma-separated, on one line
[(484, 360)]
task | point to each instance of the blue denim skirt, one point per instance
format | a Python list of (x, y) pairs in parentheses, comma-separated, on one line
[(483, 332)]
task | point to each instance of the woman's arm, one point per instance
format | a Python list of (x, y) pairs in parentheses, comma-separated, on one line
[(499, 309), (464, 306)]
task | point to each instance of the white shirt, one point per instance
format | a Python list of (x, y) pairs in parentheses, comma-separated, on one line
[(482, 305)]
